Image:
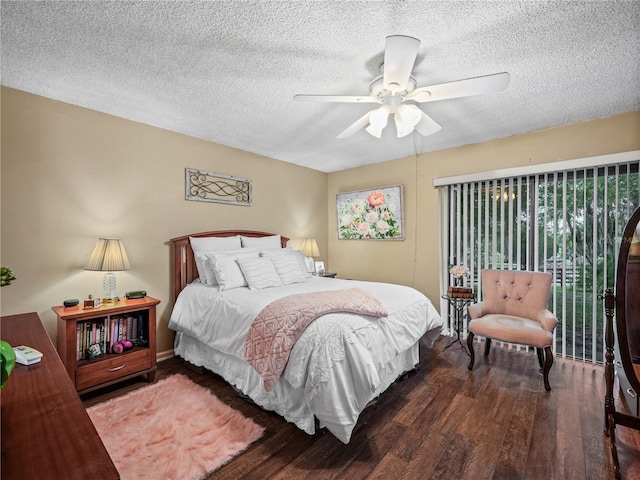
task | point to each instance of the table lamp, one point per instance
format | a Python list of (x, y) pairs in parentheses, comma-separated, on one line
[(309, 249), (108, 256)]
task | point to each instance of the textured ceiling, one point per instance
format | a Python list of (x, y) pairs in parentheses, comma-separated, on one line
[(227, 71)]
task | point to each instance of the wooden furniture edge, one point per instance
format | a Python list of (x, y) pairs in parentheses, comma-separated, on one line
[(615, 303), (45, 428), (124, 305)]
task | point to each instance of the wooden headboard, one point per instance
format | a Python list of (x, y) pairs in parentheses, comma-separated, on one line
[(184, 264)]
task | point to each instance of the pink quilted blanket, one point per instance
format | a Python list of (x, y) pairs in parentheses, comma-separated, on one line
[(277, 327)]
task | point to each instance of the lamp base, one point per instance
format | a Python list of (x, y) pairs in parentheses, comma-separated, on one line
[(109, 288), (310, 264), (110, 300)]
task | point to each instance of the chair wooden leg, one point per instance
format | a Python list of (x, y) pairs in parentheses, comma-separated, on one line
[(487, 346), (540, 357), (471, 352), (548, 361)]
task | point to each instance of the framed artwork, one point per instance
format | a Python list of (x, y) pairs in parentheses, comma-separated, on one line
[(375, 214), (202, 186), (320, 268)]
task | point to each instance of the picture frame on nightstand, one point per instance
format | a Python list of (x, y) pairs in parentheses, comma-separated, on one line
[(319, 268)]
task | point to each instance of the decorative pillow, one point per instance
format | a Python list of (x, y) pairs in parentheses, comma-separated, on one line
[(205, 269), (289, 264), (259, 272), (225, 269), (202, 245), (261, 242), (303, 264)]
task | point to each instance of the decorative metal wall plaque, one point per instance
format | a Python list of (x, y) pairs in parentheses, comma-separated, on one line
[(204, 186)]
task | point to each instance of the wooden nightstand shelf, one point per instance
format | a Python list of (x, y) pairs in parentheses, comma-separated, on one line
[(138, 315), (328, 275)]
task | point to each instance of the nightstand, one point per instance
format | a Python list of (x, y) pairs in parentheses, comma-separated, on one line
[(86, 337)]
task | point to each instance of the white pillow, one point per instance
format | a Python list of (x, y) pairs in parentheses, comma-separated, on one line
[(215, 244), (259, 272), (202, 245), (301, 260), (261, 242), (289, 268), (225, 269), (207, 275), (271, 252), (205, 269)]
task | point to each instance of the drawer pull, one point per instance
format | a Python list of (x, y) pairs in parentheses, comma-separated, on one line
[(631, 393), (115, 369)]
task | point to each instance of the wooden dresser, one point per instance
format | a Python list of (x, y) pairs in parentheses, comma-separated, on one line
[(46, 432)]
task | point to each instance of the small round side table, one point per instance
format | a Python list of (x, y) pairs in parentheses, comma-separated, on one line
[(458, 305)]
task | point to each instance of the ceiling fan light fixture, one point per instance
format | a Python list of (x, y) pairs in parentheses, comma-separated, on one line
[(377, 121), (374, 131), (403, 128), (406, 118)]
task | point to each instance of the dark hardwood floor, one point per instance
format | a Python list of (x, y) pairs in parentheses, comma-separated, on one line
[(443, 422)]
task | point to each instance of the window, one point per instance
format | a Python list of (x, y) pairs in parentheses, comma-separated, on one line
[(567, 222)]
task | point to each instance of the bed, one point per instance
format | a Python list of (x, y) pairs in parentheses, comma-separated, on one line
[(340, 362)]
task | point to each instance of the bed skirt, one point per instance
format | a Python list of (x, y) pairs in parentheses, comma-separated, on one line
[(287, 401)]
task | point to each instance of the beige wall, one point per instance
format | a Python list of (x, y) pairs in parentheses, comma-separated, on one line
[(414, 261), (70, 175)]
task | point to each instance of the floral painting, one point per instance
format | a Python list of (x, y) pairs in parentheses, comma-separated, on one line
[(370, 214)]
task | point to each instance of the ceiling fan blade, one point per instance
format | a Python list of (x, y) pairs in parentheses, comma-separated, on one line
[(362, 122), (399, 56), (427, 126), (336, 98), (461, 88)]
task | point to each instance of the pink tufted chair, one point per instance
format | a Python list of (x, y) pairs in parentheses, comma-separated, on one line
[(514, 310)]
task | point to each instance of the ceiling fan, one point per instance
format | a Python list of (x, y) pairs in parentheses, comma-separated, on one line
[(396, 91)]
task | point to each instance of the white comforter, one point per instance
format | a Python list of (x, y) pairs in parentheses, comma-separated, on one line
[(340, 361)]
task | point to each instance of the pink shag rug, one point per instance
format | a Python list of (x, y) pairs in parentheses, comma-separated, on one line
[(173, 429)]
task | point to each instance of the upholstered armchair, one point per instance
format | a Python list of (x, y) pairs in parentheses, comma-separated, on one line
[(514, 310)]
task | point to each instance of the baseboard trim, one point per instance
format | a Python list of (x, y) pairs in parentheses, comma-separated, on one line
[(166, 355)]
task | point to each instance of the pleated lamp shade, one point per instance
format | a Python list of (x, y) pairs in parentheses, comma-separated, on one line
[(309, 248)]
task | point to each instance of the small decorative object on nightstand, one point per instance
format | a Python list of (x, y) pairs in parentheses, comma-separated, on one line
[(328, 274), (89, 340)]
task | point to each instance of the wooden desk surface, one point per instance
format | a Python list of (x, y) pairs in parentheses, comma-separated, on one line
[(46, 432)]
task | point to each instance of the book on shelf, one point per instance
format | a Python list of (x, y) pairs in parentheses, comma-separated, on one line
[(90, 338), (460, 292), (462, 295), (95, 337)]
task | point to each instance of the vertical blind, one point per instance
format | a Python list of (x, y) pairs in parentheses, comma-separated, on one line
[(568, 223)]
